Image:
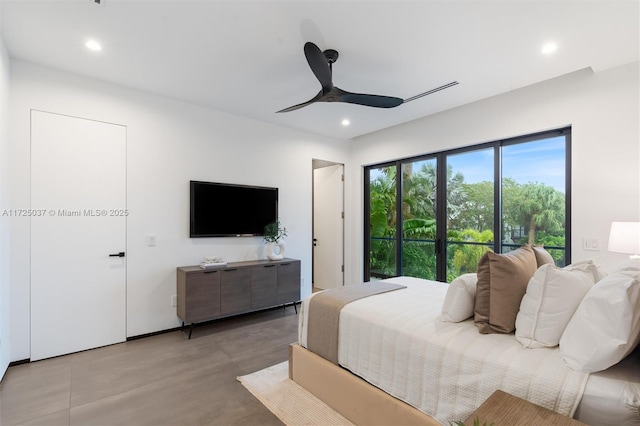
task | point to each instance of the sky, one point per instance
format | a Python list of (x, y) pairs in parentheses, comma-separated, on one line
[(541, 161)]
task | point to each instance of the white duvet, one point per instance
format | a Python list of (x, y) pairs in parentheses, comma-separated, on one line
[(396, 341)]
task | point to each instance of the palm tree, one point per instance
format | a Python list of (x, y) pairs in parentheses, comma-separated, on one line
[(456, 194), (418, 199), (383, 201), (422, 188), (539, 207)]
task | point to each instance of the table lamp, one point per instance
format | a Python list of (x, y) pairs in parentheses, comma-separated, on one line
[(625, 238)]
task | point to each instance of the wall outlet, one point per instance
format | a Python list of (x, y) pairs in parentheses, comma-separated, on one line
[(151, 240), (174, 300)]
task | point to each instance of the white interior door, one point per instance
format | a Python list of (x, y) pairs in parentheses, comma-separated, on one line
[(328, 227), (78, 180)]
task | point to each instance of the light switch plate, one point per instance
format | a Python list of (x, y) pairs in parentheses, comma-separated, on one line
[(591, 244)]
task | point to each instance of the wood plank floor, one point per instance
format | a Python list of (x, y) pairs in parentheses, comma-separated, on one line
[(158, 380)]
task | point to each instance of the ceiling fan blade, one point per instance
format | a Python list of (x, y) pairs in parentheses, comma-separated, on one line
[(302, 105), (376, 101), (319, 65)]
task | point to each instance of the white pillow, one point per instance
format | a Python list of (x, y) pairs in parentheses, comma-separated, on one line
[(606, 326), (589, 265), (552, 296), (629, 265), (460, 299)]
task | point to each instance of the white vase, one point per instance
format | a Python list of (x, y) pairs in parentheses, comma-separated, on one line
[(275, 251)]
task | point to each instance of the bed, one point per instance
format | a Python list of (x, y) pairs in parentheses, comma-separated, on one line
[(398, 362)]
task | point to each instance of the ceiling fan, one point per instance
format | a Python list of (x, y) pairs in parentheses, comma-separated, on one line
[(321, 64)]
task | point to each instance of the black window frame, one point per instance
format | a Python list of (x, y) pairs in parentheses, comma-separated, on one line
[(441, 204)]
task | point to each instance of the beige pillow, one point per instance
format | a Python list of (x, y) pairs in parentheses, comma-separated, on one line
[(502, 282), (543, 257)]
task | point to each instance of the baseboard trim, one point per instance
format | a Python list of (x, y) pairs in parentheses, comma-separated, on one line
[(22, 361), (155, 333)]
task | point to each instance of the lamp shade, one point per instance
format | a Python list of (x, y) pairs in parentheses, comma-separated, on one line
[(625, 237)]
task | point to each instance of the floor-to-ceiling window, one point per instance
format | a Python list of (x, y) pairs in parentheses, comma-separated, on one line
[(382, 193), (418, 214), (535, 195), (470, 213), (434, 216)]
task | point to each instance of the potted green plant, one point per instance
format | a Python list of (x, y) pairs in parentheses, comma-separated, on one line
[(273, 234)]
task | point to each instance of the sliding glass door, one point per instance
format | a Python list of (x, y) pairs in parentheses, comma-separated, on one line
[(435, 216), (418, 216), (534, 194), (470, 197), (382, 188)]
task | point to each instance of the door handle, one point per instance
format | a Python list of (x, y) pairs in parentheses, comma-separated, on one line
[(315, 242), (121, 254)]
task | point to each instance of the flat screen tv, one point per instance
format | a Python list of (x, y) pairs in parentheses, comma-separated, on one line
[(228, 210)]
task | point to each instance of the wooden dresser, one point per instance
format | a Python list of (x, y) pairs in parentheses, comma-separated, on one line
[(237, 288)]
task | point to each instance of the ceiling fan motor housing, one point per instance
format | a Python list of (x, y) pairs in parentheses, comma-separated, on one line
[(331, 55)]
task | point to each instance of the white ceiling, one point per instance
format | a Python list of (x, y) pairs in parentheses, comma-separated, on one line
[(246, 57)]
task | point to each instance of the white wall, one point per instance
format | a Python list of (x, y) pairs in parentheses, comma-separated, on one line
[(603, 110), (5, 231), (168, 143)]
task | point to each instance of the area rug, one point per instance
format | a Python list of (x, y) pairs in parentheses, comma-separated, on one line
[(289, 401)]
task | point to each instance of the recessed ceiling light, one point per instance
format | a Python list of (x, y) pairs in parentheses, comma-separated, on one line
[(93, 45), (549, 48), (345, 122)]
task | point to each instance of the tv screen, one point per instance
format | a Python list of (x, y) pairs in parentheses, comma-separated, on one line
[(227, 210)]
